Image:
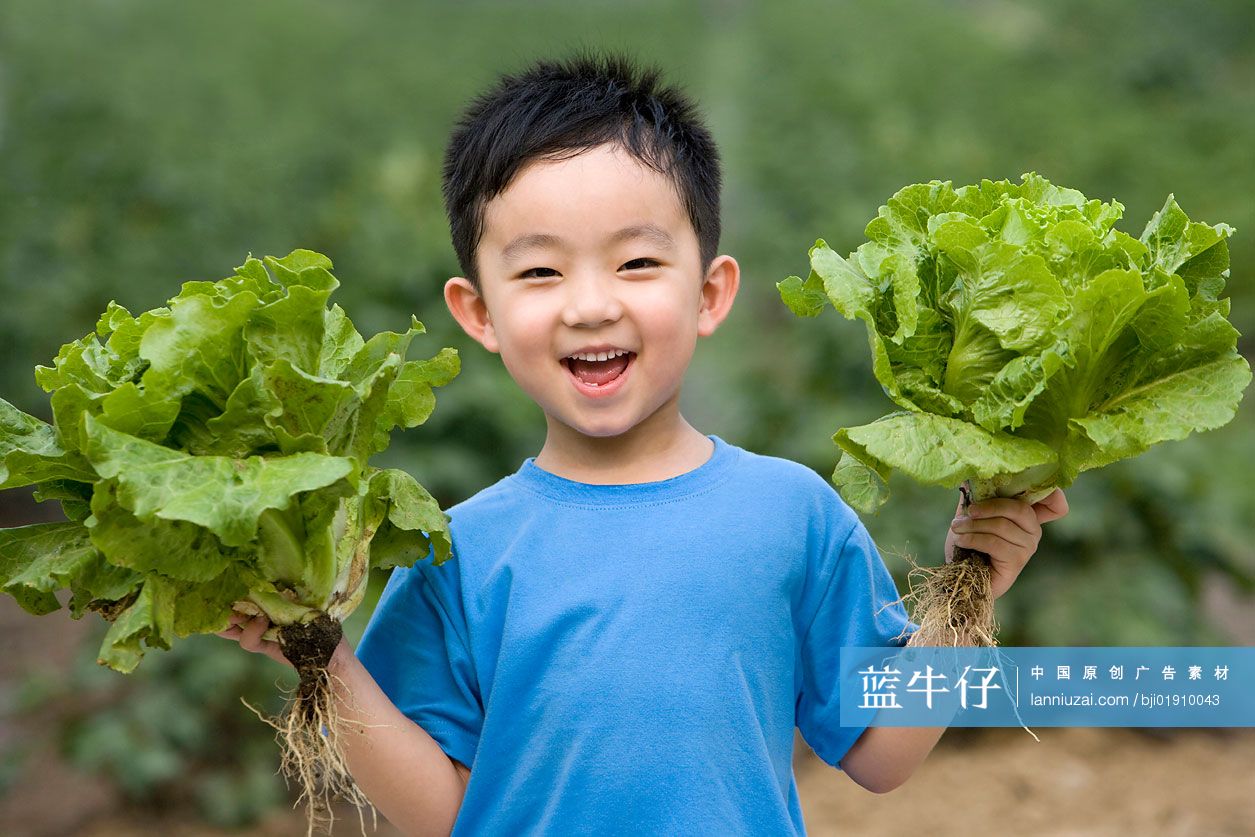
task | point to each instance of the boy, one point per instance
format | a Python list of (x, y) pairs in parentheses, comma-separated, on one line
[(637, 619)]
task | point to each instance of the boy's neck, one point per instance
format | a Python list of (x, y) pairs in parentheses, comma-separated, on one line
[(643, 454)]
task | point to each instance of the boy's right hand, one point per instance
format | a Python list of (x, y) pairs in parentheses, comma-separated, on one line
[(247, 631)]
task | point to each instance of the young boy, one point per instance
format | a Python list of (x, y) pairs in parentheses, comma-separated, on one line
[(636, 619)]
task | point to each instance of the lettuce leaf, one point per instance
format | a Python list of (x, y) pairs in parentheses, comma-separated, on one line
[(215, 450), (1024, 338)]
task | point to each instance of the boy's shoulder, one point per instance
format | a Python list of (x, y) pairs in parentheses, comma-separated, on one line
[(774, 479), (780, 471), (782, 506), (490, 500), (793, 484)]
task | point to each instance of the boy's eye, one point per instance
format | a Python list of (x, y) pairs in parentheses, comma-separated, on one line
[(639, 264), (538, 272)]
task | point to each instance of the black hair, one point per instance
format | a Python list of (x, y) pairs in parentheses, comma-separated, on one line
[(554, 110)]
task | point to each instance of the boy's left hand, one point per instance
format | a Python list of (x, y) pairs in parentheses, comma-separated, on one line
[(1006, 530)]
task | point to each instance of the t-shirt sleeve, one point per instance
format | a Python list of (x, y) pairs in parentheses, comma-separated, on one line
[(415, 646), (856, 609)]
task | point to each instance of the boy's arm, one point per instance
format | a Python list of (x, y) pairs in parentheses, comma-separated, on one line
[(1008, 531), (402, 770), (883, 758)]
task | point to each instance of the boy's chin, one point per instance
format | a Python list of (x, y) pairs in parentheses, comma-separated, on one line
[(595, 430), (602, 431)]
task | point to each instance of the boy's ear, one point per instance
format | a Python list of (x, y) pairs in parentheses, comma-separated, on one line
[(723, 278), (468, 307)]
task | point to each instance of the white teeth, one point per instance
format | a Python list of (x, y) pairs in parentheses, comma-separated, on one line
[(601, 355)]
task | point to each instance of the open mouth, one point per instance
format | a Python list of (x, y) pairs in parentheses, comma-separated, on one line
[(597, 374)]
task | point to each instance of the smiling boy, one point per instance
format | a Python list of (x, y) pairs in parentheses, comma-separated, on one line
[(587, 257), (639, 617)]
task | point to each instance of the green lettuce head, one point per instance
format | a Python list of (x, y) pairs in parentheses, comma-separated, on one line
[(1024, 337), (216, 451)]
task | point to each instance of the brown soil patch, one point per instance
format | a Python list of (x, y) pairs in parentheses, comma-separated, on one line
[(1075, 782)]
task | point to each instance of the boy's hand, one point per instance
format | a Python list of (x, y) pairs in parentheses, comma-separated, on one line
[(1006, 530), (247, 631)]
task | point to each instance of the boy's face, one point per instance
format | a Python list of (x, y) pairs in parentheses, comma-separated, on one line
[(593, 253)]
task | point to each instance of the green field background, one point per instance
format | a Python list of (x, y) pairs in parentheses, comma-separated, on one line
[(143, 144)]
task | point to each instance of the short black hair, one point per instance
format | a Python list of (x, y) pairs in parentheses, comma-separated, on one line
[(554, 110)]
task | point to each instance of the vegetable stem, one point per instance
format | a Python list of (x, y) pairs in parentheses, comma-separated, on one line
[(281, 557)]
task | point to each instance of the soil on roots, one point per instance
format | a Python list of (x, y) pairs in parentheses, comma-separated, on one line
[(953, 603), (308, 647), (309, 729)]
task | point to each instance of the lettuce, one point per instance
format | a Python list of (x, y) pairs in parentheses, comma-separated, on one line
[(1024, 338), (216, 451)]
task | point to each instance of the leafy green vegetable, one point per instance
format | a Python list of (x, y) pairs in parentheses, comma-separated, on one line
[(216, 450), (1024, 337)]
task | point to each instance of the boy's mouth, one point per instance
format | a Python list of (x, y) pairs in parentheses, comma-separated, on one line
[(598, 373)]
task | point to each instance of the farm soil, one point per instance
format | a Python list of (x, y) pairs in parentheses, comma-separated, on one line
[(1075, 782)]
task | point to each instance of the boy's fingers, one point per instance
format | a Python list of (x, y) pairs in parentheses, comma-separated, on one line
[(250, 633), (1052, 507), (990, 544), (1017, 511), (247, 631), (1007, 530)]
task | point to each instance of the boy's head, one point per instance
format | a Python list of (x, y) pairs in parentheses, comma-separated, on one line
[(584, 206), (555, 110)]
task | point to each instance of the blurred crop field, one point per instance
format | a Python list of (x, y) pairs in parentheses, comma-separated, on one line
[(143, 144)]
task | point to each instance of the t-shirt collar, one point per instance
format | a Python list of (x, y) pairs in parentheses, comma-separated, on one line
[(704, 476)]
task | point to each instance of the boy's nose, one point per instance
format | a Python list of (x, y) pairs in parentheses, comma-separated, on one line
[(591, 301)]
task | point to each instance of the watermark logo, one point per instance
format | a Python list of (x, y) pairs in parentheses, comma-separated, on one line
[(1060, 686)]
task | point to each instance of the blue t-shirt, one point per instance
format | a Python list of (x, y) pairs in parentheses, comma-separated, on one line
[(632, 659)]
